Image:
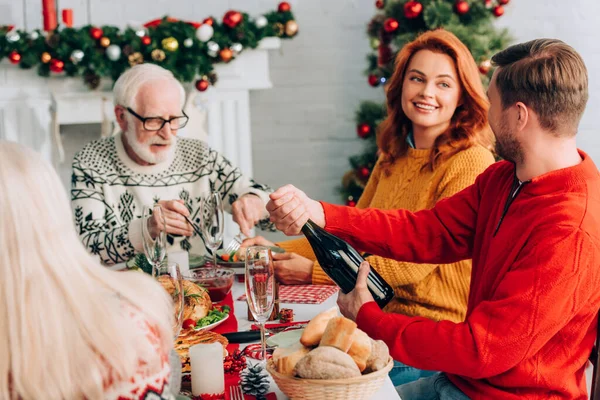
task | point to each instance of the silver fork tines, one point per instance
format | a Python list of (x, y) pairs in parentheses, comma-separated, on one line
[(235, 243), (235, 393)]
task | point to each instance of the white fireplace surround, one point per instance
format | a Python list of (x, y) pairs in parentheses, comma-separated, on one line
[(33, 108)]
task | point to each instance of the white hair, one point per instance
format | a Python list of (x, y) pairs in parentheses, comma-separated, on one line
[(129, 83), (63, 332)]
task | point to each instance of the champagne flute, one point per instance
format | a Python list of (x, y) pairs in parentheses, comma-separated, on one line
[(155, 248), (212, 223), (169, 276), (260, 294)]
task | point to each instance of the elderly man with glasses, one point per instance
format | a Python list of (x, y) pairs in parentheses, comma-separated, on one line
[(114, 178)]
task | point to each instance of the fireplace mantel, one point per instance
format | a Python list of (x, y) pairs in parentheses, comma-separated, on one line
[(33, 108)]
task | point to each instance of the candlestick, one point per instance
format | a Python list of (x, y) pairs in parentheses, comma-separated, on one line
[(207, 373), (67, 17)]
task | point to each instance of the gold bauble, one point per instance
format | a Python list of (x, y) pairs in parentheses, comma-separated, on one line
[(135, 58), (45, 57), (291, 28), (158, 55), (104, 41), (170, 44), (278, 28), (226, 54)]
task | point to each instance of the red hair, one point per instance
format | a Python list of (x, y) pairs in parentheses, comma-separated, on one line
[(468, 125)]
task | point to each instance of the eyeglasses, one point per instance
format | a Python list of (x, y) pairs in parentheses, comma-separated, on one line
[(157, 123)]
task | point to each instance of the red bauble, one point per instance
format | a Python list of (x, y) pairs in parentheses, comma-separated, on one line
[(57, 65), (232, 18), (202, 85), (208, 21), (380, 4), (364, 172), (498, 11), (14, 57), (503, 2), (373, 80), (146, 40), (462, 7), (363, 130), (350, 202), (284, 6), (390, 25), (96, 33), (412, 9)]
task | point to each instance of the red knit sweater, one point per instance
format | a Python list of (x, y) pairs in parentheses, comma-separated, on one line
[(535, 287)]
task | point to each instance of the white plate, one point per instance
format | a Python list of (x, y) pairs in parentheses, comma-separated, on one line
[(285, 339), (213, 325)]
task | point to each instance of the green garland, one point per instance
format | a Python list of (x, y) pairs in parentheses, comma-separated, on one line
[(77, 53)]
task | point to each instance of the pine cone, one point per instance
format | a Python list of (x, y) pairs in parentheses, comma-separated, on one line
[(255, 381), (91, 79)]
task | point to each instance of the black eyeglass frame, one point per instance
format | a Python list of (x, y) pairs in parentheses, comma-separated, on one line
[(144, 119)]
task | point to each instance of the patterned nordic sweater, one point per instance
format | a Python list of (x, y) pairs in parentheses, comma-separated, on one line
[(109, 191), (435, 291)]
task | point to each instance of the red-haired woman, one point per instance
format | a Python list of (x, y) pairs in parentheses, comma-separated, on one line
[(434, 143)]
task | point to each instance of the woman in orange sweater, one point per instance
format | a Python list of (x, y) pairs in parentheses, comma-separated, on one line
[(434, 143)]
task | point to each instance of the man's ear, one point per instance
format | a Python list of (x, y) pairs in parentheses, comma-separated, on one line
[(121, 117), (522, 115)]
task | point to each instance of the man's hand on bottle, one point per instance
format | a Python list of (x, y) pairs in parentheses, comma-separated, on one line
[(290, 208), (351, 303)]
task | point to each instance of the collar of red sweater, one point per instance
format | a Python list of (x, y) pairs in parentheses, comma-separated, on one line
[(563, 179)]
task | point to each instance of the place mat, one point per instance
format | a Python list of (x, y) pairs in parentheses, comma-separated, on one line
[(303, 294)]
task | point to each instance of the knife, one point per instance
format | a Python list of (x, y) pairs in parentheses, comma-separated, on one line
[(244, 336)]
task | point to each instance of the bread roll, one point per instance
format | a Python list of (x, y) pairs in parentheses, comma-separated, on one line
[(326, 362), (339, 333), (314, 330), (285, 358), (360, 350), (380, 355)]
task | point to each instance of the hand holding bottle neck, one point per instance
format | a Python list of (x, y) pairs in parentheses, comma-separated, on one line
[(290, 209)]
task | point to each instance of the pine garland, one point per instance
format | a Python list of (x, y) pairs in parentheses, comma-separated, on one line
[(474, 28), (169, 43)]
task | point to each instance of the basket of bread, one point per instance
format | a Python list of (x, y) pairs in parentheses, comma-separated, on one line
[(333, 360)]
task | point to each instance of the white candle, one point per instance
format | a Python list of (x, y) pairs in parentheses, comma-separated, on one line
[(207, 369), (182, 258)]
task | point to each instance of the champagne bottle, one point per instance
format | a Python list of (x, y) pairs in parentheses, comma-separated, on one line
[(340, 261)]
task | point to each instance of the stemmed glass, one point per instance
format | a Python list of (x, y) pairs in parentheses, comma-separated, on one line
[(155, 248), (260, 281), (169, 276), (212, 223)]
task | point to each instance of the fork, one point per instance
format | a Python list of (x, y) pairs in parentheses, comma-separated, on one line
[(235, 393), (235, 243)]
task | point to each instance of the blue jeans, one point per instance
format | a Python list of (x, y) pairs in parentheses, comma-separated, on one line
[(402, 373), (435, 387)]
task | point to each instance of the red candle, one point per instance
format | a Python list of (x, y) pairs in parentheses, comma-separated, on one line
[(67, 17), (49, 15)]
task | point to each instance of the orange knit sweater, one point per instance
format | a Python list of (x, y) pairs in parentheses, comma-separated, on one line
[(430, 290)]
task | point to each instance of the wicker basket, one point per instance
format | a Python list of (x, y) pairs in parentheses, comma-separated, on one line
[(363, 387)]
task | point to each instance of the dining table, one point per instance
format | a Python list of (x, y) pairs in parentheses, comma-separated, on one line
[(302, 312)]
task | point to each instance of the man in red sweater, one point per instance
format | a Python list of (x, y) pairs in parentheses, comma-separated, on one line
[(531, 224)]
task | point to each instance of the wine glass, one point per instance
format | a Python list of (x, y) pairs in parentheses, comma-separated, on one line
[(260, 281), (212, 223), (155, 248), (169, 276)]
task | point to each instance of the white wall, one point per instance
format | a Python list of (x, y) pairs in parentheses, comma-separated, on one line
[(576, 23)]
